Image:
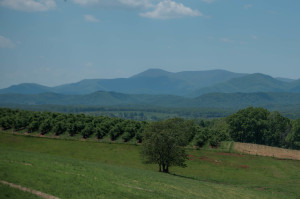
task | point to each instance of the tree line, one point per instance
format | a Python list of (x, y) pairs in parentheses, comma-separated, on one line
[(71, 124), (251, 125), (164, 142)]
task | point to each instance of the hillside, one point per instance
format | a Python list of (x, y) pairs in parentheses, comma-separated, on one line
[(212, 100), (116, 171), (152, 81), (100, 98), (240, 100), (26, 88), (251, 83), (160, 82)]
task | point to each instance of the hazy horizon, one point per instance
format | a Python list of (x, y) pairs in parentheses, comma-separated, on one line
[(136, 74), (54, 42)]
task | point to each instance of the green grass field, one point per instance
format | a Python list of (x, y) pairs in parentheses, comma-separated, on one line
[(81, 169)]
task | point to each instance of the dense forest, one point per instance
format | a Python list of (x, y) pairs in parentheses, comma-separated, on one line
[(250, 125)]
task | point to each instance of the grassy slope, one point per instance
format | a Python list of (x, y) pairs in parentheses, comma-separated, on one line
[(74, 169), (9, 192)]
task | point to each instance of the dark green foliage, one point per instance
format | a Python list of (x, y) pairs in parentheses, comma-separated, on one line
[(213, 135), (33, 126), (100, 133), (249, 125), (72, 129), (202, 136), (139, 133), (259, 126), (252, 125), (278, 129), (59, 123), (6, 122), (126, 136), (45, 127), (87, 131), (59, 128), (129, 130), (73, 124), (164, 141), (21, 120), (115, 132), (293, 138)]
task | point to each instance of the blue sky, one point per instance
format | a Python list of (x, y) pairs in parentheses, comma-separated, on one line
[(52, 42)]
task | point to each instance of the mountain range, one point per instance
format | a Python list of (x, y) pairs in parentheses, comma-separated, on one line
[(160, 82), (103, 98), (155, 87)]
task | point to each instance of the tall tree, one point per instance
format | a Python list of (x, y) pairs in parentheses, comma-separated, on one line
[(249, 125), (163, 143)]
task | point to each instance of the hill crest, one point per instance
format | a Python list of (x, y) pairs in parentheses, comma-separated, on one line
[(157, 82)]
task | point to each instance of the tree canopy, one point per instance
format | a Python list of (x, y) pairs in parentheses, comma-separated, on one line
[(164, 141)]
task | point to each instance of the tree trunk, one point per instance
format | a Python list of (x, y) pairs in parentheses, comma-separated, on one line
[(165, 168)]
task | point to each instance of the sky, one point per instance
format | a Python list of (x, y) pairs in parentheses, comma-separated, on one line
[(53, 42)]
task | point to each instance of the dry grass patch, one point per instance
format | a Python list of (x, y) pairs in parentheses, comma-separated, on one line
[(256, 149)]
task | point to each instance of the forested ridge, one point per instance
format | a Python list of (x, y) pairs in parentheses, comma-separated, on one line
[(250, 125)]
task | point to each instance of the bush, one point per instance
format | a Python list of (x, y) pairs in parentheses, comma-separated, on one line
[(87, 131), (45, 127), (33, 126), (100, 133)]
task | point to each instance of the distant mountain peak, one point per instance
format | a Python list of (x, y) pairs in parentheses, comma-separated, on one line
[(153, 72), (26, 88), (158, 81)]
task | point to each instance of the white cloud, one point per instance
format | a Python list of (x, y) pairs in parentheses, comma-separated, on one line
[(90, 18), (162, 9), (168, 9), (86, 2), (208, 1), (225, 39), (6, 43), (126, 3), (248, 6), (137, 3), (29, 5)]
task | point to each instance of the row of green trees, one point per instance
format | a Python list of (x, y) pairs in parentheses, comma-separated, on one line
[(251, 125), (72, 124)]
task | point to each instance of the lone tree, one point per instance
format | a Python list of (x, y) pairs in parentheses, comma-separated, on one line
[(164, 141)]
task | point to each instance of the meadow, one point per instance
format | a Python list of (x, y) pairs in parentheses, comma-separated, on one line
[(85, 169)]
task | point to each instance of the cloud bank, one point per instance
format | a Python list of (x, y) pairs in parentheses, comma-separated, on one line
[(169, 9), (29, 5), (155, 9)]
